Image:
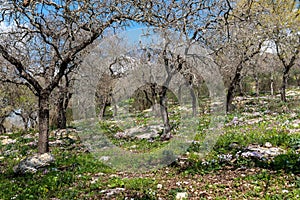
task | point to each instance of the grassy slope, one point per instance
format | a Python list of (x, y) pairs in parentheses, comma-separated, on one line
[(76, 174)]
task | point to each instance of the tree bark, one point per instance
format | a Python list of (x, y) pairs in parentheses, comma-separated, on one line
[(164, 114), (284, 84), (2, 128), (232, 88), (63, 101), (43, 142), (256, 85), (272, 85), (194, 100), (61, 118), (25, 120), (103, 108), (179, 93)]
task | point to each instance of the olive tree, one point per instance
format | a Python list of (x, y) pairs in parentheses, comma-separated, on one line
[(278, 25), (47, 39), (233, 51)]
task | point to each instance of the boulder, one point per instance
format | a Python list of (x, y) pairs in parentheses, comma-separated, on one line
[(33, 163), (7, 141), (140, 132), (267, 151)]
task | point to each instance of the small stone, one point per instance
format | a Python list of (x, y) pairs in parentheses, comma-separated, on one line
[(73, 137), (234, 145), (105, 158), (94, 180), (181, 196), (113, 191), (268, 145), (56, 143), (235, 121), (295, 125), (100, 174), (28, 136), (159, 186)]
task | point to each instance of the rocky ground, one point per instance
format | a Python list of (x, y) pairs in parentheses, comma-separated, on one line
[(256, 157)]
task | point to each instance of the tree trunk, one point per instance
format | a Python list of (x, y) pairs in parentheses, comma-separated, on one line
[(179, 93), (2, 128), (62, 105), (43, 142), (25, 121), (240, 89), (103, 109), (256, 85), (284, 84), (33, 120), (194, 100), (232, 88), (297, 79), (229, 99), (164, 113), (61, 118), (272, 85)]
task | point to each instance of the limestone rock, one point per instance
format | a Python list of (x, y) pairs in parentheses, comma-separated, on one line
[(111, 192), (8, 141), (33, 163), (105, 158), (181, 195), (140, 132), (159, 186), (268, 152), (268, 145)]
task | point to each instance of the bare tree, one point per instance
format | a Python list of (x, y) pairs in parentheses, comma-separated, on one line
[(236, 49), (279, 25), (46, 39)]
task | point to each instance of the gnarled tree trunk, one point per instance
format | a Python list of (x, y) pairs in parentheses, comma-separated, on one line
[(2, 128), (232, 88), (256, 84), (284, 84), (43, 142), (164, 114)]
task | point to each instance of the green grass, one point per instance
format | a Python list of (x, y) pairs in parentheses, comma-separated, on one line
[(77, 174)]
